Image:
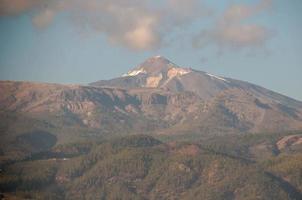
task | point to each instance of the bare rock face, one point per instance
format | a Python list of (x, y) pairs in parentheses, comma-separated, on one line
[(290, 141)]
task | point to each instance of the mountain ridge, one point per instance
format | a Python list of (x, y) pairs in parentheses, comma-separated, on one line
[(158, 88), (154, 73), (191, 103)]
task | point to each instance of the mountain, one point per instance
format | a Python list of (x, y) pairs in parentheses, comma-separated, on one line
[(234, 103), (157, 98), (160, 131), (159, 72)]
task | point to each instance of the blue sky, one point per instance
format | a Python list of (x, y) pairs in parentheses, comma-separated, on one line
[(48, 41)]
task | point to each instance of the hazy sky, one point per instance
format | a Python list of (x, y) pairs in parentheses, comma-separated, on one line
[(76, 41)]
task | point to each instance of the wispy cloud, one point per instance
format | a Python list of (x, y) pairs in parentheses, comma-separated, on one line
[(232, 31), (136, 24), (144, 24)]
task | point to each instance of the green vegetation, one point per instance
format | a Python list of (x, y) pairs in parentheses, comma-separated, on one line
[(243, 167)]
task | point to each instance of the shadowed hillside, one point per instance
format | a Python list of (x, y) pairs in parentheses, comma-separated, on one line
[(142, 167)]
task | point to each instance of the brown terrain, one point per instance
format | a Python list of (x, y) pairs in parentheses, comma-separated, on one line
[(64, 140), (157, 97)]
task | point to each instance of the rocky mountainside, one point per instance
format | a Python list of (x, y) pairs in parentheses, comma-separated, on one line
[(159, 72), (76, 142), (157, 97), (234, 103)]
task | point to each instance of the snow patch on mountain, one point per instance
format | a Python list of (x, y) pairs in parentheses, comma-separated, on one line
[(217, 77), (135, 72)]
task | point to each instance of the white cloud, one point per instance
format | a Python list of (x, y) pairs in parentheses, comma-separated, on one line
[(233, 31), (145, 25), (136, 24)]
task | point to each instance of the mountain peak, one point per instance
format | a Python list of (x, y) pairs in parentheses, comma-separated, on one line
[(153, 65), (158, 57)]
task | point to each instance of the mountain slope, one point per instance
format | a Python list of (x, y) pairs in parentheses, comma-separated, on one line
[(160, 98), (245, 106), (159, 72), (134, 110), (56, 140), (142, 167)]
